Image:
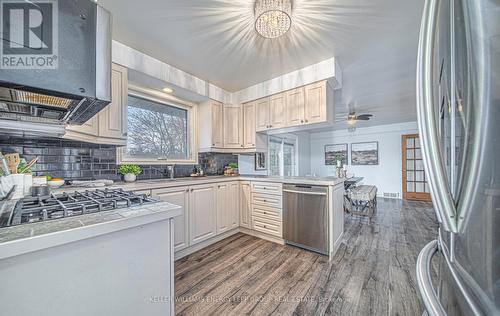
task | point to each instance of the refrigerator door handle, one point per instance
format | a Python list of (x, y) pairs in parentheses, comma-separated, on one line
[(429, 135), (431, 300)]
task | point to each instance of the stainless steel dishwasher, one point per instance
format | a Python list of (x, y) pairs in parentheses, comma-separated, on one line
[(305, 217)]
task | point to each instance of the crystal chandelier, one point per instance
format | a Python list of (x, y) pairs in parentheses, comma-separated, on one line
[(273, 18)]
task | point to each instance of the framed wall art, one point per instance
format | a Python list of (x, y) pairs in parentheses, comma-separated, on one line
[(364, 153), (336, 152)]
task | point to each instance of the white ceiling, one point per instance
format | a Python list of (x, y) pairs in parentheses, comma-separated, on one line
[(375, 42)]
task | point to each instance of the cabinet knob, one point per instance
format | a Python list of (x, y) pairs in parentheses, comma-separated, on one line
[(307, 121), (241, 146), (265, 226), (301, 121), (192, 190), (265, 212), (187, 190), (253, 144)]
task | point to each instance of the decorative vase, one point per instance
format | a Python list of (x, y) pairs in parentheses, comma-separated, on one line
[(129, 177)]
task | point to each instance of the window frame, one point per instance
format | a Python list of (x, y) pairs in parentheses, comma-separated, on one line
[(169, 100)]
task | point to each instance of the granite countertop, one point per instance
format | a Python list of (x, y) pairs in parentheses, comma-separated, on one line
[(24, 238), (166, 183)]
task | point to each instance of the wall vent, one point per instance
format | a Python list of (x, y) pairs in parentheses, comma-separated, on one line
[(391, 195)]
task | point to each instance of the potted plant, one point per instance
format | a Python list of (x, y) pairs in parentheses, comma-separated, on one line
[(232, 169), (129, 172)]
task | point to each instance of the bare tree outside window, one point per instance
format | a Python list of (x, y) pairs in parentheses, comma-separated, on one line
[(156, 130)]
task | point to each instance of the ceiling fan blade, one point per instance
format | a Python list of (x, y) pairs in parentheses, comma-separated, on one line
[(364, 117)]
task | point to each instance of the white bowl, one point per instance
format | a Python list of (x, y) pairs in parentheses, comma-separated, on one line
[(55, 184)]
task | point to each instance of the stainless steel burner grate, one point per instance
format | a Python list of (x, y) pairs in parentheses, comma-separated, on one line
[(36, 209)]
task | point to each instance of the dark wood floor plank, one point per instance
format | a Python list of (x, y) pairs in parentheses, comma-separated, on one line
[(372, 273)]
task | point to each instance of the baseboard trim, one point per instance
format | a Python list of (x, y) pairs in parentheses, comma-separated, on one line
[(336, 246), (262, 235), (192, 249)]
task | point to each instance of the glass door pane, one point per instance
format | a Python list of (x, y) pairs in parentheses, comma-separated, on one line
[(288, 159)]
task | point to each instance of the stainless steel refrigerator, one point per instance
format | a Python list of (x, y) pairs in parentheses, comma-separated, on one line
[(458, 103)]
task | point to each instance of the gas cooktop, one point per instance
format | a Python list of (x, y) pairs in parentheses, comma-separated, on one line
[(54, 206)]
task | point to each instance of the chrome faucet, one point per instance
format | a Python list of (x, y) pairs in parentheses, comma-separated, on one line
[(170, 169)]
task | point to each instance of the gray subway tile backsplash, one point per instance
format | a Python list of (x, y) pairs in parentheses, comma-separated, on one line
[(84, 161)]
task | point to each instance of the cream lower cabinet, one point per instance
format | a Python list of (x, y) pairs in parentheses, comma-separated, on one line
[(202, 213), (178, 196), (245, 204), (109, 126), (227, 202)]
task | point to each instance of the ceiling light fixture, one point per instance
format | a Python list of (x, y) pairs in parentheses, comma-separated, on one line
[(167, 90), (273, 18)]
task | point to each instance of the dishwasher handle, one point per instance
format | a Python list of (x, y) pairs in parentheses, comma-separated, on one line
[(304, 192)]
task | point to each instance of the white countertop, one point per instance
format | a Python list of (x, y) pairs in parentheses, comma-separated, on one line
[(187, 181), (16, 240)]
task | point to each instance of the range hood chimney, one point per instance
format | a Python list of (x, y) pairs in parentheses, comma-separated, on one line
[(73, 89)]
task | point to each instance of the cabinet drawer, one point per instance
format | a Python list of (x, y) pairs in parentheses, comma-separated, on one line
[(267, 226), (269, 200), (267, 187), (266, 212)]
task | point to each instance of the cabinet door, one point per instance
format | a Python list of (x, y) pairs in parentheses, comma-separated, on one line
[(315, 102), (249, 125), (202, 213), (233, 127), (178, 196), (262, 114), (223, 203), (113, 118), (234, 205), (217, 125), (245, 205), (277, 111), (295, 106)]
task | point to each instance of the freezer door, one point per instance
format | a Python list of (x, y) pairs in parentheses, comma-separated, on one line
[(476, 186), (459, 120)]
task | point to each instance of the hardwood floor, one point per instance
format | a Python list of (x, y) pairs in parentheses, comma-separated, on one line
[(373, 272)]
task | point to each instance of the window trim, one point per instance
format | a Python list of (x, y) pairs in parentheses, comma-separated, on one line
[(166, 99)]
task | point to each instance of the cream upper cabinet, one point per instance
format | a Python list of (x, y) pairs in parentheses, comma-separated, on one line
[(249, 125), (295, 107), (245, 205), (113, 118), (217, 110), (202, 213), (262, 114), (109, 126), (178, 196), (233, 126), (277, 111), (316, 102)]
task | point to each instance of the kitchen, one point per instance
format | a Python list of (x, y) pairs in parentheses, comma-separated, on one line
[(231, 165)]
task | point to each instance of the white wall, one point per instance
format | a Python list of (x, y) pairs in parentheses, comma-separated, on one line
[(246, 165), (387, 175)]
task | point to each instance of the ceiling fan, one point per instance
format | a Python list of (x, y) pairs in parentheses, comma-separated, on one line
[(352, 119)]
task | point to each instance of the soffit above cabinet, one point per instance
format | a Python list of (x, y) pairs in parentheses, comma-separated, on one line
[(156, 74)]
